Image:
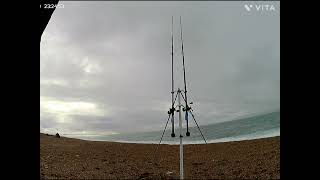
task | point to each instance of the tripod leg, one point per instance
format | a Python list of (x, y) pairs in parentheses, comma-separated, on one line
[(162, 136), (165, 128), (198, 127)]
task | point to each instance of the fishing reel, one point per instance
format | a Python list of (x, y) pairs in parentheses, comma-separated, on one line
[(171, 112), (186, 109)]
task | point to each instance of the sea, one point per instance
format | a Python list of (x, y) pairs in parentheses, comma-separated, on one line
[(254, 127)]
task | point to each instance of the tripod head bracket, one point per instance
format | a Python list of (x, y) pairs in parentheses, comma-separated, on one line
[(188, 108), (171, 110)]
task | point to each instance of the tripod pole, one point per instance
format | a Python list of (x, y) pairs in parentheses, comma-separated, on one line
[(181, 144)]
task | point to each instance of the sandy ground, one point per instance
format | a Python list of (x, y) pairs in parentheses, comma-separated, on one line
[(67, 158)]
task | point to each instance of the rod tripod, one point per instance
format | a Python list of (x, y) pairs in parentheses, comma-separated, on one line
[(187, 109)]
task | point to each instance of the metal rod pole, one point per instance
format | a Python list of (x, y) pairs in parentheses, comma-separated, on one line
[(181, 144)]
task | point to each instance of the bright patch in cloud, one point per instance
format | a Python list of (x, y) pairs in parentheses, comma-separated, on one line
[(56, 82), (90, 67), (63, 110)]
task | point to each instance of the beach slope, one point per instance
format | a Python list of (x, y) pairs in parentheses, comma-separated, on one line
[(67, 158)]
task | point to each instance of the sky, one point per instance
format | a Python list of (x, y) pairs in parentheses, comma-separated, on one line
[(105, 67)]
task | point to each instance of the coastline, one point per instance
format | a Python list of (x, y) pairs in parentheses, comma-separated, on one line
[(68, 158), (257, 135)]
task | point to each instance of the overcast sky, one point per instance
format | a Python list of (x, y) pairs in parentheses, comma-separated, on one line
[(105, 67)]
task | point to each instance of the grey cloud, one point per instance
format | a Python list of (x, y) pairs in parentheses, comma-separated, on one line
[(232, 57)]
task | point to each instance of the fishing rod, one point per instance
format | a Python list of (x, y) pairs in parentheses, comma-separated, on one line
[(172, 84), (180, 96), (187, 108)]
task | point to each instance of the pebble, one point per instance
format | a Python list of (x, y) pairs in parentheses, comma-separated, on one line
[(169, 172)]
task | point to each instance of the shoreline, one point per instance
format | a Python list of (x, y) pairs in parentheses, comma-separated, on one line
[(69, 158), (214, 141), (252, 136)]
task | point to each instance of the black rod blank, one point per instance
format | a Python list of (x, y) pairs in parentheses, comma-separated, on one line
[(172, 85), (185, 83)]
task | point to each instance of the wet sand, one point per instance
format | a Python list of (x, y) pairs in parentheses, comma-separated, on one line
[(67, 158)]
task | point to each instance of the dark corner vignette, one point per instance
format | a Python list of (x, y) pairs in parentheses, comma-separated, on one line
[(47, 8)]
